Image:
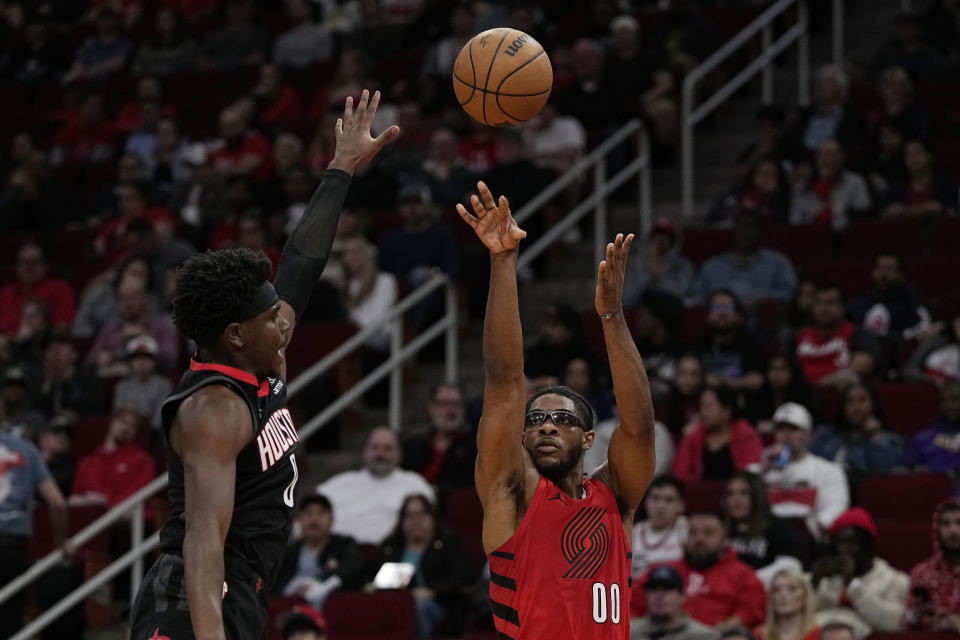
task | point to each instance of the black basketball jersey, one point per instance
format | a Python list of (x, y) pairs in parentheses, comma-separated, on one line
[(263, 507)]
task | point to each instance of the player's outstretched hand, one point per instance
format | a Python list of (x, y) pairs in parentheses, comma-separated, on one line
[(610, 275), (492, 222), (355, 146)]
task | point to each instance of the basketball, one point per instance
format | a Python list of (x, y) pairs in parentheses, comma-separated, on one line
[(502, 77)]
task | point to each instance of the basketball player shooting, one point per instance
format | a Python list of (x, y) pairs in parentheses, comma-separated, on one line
[(558, 543), (230, 440)]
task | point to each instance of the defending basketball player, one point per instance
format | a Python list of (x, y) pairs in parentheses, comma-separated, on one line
[(230, 441), (558, 543)]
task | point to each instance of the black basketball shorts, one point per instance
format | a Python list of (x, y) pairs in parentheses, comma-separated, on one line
[(160, 610)]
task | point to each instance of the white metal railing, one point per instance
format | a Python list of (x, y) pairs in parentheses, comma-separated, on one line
[(762, 64), (133, 507)]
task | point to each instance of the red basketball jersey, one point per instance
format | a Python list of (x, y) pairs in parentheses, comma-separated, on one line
[(565, 572)]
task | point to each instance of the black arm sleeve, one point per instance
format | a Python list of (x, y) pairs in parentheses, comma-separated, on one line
[(308, 247)]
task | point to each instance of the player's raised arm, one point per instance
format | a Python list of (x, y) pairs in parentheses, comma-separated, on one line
[(499, 434), (308, 247), (211, 428), (631, 459)]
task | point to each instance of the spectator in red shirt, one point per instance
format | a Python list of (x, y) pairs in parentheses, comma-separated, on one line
[(88, 138), (148, 91), (277, 102), (131, 205), (32, 282), (720, 444), (832, 351), (721, 591), (241, 152), (118, 467)]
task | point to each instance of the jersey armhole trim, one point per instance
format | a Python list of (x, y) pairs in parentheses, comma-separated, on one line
[(221, 380)]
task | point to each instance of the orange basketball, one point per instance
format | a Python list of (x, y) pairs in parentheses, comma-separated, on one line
[(502, 77)]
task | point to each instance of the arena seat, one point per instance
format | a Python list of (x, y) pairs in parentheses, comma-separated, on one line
[(870, 237), (909, 407), (865, 95), (704, 495), (947, 155), (699, 243), (464, 515), (904, 544), (693, 321), (944, 233), (801, 243), (904, 497), (312, 341), (851, 274), (382, 615)]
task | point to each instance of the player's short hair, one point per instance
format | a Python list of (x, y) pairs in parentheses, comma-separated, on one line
[(582, 405), (215, 289)]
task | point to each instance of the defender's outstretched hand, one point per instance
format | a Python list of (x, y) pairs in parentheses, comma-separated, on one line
[(492, 222), (610, 276), (355, 146)]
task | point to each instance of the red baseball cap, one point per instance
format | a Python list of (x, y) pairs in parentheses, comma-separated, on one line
[(303, 616), (856, 517)]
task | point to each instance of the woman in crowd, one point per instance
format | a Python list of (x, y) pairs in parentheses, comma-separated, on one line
[(764, 192), (720, 444), (938, 357), (680, 407), (440, 562), (924, 192), (859, 439), (783, 381), (759, 537), (791, 609), (169, 50), (369, 292)]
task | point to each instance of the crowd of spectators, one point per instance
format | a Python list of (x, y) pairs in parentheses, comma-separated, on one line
[(136, 133)]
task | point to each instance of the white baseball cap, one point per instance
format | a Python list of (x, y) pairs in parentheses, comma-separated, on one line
[(793, 414)]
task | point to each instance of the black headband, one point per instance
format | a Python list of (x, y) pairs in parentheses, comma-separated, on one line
[(264, 299)]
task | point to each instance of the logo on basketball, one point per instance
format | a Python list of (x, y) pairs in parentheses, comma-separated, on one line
[(585, 542)]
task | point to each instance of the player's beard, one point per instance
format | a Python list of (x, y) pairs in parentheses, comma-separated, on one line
[(555, 470)]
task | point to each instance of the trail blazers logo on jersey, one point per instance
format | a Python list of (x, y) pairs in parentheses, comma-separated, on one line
[(276, 438), (585, 542)]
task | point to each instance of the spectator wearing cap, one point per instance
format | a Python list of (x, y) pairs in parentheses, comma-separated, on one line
[(934, 603), (832, 350), (854, 586), (937, 448), (666, 619), (750, 270), (103, 53), (720, 443), (33, 282), (143, 388), (54, 443), (833, 195), (321, 561), (801, 484), (308, 41), (721, 591), (660, 267), (304, 623), (108, 352), (23, 475), (654, 329), (118, 467), (830, 116), (559, 342), (16, 413), (730, 353)]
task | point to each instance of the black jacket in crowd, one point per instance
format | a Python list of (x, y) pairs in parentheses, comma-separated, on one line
[(341, 557)]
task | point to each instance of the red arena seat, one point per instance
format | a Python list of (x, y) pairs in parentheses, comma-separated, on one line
[(382, 615), (909, 407), (910, 497)]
